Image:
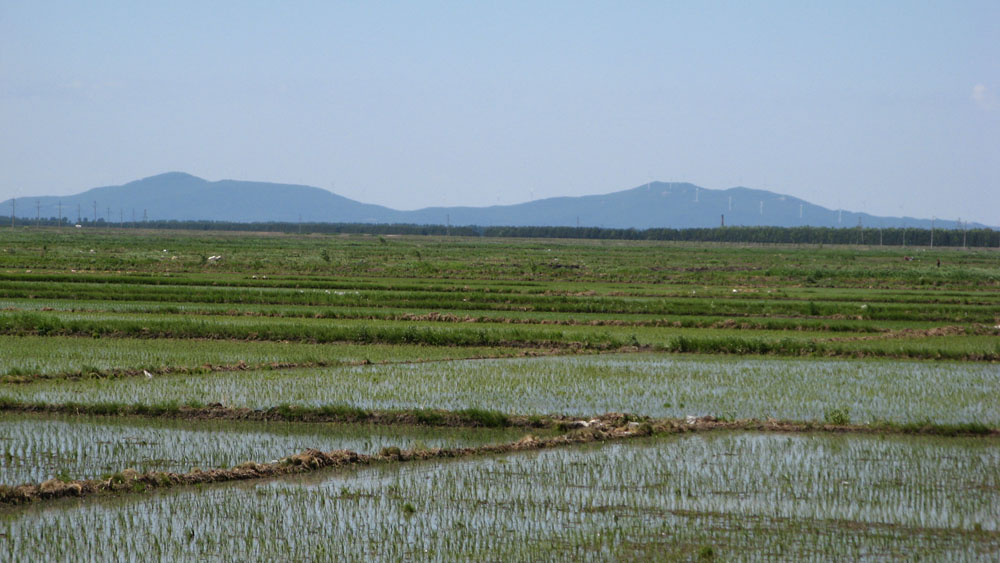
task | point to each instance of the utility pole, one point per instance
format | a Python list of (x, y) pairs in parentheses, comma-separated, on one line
[(723, 224), (932, 231), (79, 217), (861, 232), (144, 217), (59, 219), (13, 209), (38, 213), (447, 220), (95, 213)]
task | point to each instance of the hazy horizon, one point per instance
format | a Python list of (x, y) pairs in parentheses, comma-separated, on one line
[(890, 109)]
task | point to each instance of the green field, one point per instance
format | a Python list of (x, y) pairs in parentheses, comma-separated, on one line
[(130, 350)]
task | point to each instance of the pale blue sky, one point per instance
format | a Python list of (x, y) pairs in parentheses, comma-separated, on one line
[(885, 107)]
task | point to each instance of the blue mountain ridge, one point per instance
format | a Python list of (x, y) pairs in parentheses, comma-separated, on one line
[(679, 205)]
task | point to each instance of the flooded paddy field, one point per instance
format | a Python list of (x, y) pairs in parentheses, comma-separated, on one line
[(655, 385), (735, 496), (451, 334), (35, 448)]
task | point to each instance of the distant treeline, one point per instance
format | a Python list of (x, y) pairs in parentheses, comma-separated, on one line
[(767, 235)]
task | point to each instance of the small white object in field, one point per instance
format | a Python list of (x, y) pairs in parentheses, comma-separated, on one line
[(148, 375)]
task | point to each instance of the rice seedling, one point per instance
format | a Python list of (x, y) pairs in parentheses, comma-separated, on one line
[(740, 495)]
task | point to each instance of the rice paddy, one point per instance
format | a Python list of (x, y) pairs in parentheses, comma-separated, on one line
[(734, 496), (647, 384), (140, 354)]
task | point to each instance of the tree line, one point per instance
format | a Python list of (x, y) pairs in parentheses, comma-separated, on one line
[(870, 236)]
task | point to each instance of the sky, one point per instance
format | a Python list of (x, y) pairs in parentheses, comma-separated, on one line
[(888, 107)]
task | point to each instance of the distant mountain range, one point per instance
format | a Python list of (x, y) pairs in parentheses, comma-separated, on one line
[(176, 195)]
